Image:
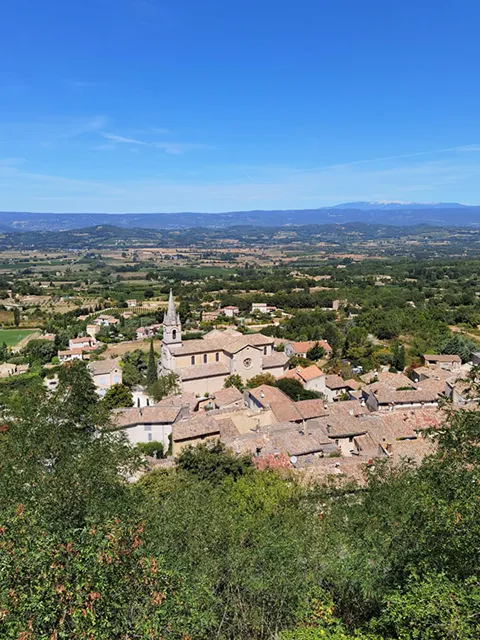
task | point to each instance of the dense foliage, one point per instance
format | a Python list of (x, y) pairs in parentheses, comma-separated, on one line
[(217, 548)]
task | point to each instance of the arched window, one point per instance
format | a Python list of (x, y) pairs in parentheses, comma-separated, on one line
[(192, 360), (217, 357), (204, 358), (174, 334)]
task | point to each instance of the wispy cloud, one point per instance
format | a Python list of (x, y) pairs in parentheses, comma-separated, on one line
[(453, 179), (174, 148), (123, 140), (50, 132), (469, 147)]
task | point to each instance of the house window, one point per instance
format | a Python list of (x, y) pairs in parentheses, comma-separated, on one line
[(204, 358), (150, 437), (174, 334), (192, 360), (264, 351), (217, 357)]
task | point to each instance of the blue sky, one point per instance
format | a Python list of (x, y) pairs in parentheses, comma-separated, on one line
[(216, 105)]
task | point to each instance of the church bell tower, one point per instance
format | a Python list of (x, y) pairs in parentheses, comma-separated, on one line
[(172, 327), (172, 336)]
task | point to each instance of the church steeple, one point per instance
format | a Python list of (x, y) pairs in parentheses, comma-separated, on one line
[(172, 327), (171, 316)]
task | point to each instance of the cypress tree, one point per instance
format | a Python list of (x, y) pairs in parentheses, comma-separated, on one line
[(152, 366)]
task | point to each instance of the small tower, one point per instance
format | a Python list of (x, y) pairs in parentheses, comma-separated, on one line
[(172, 327)]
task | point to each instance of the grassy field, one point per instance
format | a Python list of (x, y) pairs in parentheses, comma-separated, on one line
[(13, 336)]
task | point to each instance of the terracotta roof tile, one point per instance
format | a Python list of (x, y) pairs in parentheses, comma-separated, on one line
[(195, 427), (124, 418), (203, 371)]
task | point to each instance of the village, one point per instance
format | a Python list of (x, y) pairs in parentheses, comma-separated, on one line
[(227, 386)]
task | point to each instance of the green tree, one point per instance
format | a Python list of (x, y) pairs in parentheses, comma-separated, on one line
[(152, 374), (234, 380), (184, 311), (4, 353), (131, 376), (119, 395), (399, 357), (16, 316), (294, 389), (458, 345), (165, 385), (316, 352), (152, 448), (298, 361), (261, 378), (40, 351), (78, 392), (213, 462)]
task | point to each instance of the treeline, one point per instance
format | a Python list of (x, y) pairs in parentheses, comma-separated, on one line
[(218, 549)]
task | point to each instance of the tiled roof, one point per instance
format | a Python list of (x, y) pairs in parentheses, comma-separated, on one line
[(386, 395), (227, 428), (203, 371), (336, 382), (195, 427), (229, 343), (216, 333), (311, 372), (304, 374), (71, 352), (227, 396), (285, 438), (311, 408), (124, 418), (392, 380), (277, 359), (88, 339), (282, 406), (102, 367), (180, 400), (441, 358)]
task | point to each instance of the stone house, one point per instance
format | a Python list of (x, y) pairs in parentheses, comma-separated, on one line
[(148, 424), (82, 343), (230, 311), (442, 360), (105, 374)]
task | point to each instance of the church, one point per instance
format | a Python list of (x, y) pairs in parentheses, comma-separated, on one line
[(203, 365)]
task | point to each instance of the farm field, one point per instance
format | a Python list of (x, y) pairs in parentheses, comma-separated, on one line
[(12, 337), (120, 349)]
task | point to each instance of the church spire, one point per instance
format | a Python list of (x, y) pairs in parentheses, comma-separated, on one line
[(171, 315), (172, 327)]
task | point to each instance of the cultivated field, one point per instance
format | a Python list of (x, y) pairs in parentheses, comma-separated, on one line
[(16, 337)]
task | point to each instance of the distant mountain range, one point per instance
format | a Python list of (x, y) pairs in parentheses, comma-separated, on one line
[(390, 213)]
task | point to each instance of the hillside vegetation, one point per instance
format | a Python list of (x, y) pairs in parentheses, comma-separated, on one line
[(217, 549)]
